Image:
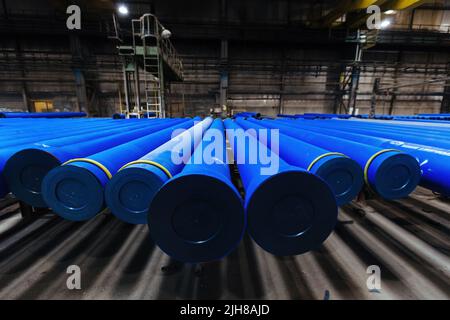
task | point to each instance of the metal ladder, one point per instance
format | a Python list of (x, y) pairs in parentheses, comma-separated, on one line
[(153, 69)]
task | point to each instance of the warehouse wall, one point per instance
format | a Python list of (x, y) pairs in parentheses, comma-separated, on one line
[(262, 77)]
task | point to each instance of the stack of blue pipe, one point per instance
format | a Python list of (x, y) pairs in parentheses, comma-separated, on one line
[(390, 173), (312, 116), (19, 132), (26, 157), (343, 175), (42, 114), (294, 177), (418, 117), (429, 144), (247, 115), (75, 189)]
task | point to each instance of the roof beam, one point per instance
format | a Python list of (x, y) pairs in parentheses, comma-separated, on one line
[(403, 4), (347, 6), (360, 18)]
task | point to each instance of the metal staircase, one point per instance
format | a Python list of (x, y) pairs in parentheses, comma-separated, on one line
[(156, 63)]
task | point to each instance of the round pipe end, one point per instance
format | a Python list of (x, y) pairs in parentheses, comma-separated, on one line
[(129, 193), (394, 175), (197, 218), (24, 173), (291, 213), (74, 193), (344, 176)]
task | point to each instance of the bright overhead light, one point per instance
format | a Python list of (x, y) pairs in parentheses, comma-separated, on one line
[(390, 12), (385, 23), (165, 34), (123, 10)]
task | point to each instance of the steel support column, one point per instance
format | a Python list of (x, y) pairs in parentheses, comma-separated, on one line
[(223, 90), (24, 89), (80, 82), (445, 105), (373, 102)]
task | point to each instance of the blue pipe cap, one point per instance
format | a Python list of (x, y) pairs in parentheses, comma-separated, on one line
[(24, 173), (197, 218), (74, 193), (344, 176), (130, 192), (291, 213), (394, 175)]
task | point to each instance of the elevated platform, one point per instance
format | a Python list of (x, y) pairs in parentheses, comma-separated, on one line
[(172, 64)]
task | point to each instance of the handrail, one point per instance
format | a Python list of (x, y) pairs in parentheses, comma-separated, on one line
[(154, 28)]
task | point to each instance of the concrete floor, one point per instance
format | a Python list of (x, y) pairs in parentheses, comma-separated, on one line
[(408, 239)]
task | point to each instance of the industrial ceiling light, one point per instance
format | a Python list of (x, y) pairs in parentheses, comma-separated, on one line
[(385, 24), (165, 34), (390, 12), (123, 9)]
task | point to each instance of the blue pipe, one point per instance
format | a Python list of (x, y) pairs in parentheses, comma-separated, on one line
[(42, 114), (118, 116), (324, 116), (390, 173), (446, 121), (247, 115), (198, 216), (130, 192), (149, 115), (434, 162), (37, 175), (389, 125), (413, 135), (22, 124), (289, 210), (343, 175), (59, 130), (75, 190), (428, 136), (26, 166), (431, 136), (428, 128), (288, 116), (439, 115)]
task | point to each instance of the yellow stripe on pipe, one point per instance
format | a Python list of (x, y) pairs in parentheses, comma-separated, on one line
[(152, 163), (323, 156), (95, 163), (369, 162)]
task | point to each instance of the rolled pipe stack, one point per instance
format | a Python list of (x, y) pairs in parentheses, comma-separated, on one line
[(390, 173), (193, 210), (27, 165), (428, 144), (290, 211), (75, 189), (42, 114), (343, 175)]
